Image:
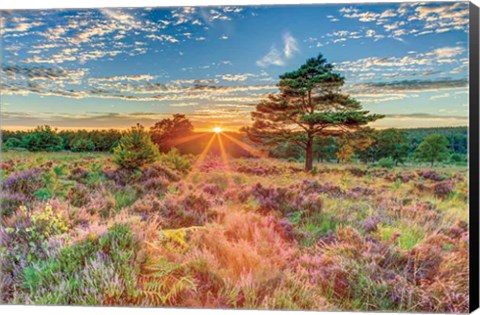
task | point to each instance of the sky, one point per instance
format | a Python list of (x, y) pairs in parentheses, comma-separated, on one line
[(113, 68)]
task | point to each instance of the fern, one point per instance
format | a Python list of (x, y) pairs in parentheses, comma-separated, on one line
[(166, 283)]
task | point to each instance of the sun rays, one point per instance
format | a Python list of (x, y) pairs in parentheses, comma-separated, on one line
[(217, 134)]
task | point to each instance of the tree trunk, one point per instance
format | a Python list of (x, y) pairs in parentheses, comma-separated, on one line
[(309, 156)]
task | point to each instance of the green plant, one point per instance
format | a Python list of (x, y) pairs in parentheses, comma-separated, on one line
[(82, 144), (387, 162), (175, 161), (135, 149), (42, 138), (166, 283), (12, 143), (434, 148)]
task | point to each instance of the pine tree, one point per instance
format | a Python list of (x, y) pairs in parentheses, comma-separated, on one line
[(310, 104), (135, 149)]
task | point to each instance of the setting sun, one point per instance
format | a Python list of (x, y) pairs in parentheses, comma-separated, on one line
[(217, 130)]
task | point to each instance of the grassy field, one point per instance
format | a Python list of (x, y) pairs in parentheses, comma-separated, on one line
[(250, 233)]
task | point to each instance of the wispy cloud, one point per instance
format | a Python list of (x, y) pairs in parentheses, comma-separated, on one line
[(278, 58)]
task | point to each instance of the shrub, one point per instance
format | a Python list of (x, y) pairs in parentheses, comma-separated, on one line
[(79, 195), (443, 189), (431, 175), (156, 170), (175, 161), (135, 149), (12, 143), (43, 138), (387, 162), (10, 202), (191, 210), (25, 182), (82, 144)]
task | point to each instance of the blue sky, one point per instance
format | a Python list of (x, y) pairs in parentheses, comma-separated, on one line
[(102, 68)]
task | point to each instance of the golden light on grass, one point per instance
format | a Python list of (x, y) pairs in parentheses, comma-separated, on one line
[(246, 147), (217, 130), (200, 159), (224, 156)]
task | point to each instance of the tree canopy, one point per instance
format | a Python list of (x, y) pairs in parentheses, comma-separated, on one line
[(165, 131), (434, 148), (309, 104)]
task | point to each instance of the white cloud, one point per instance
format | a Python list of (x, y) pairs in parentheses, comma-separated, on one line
[(290, 45), (447, 52), (438, 96), (235, 77), (162, 38), (273, 57), (278, 58)]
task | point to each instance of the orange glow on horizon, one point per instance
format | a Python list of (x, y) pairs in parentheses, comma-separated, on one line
[(246, 147), (217, 130)]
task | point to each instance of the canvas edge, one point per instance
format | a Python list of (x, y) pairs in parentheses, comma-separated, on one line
[(474, 158)]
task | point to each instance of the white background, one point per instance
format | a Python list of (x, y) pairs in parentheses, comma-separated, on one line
[(76, 310)]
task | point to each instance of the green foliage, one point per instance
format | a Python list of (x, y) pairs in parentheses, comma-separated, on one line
[(82, 144), (309, 99), (12, 143), (135, 149), (434, 148), (166, 283), (386, 162), (175, 161), (166, 131), (88, 273), (43, 138), (458, 158)]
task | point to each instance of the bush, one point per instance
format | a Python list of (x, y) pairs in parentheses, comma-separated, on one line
[(135, 149), (82, 144), (43, 138), (10, 202), (443, 189), (26, 182), (175, 161), (12, 143), (458, 158), (386, 162)]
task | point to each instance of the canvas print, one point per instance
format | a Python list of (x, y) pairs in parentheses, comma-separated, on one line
[(302, 157)]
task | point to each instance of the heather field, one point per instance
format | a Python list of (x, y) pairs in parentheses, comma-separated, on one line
[(216, 232)]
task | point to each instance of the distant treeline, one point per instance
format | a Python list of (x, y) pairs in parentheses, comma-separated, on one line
[(398, 144), (369, 146), (46, 138)]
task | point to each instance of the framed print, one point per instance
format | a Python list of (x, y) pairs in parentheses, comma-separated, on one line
[(319, 157)]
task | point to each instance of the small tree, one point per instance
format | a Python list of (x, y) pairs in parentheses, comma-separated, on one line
[(310, 105), (166, 131), (135, 149), (434, 148), (386, 143), (345, 153)]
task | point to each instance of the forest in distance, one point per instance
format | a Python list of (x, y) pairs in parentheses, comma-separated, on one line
[(384, 145)]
